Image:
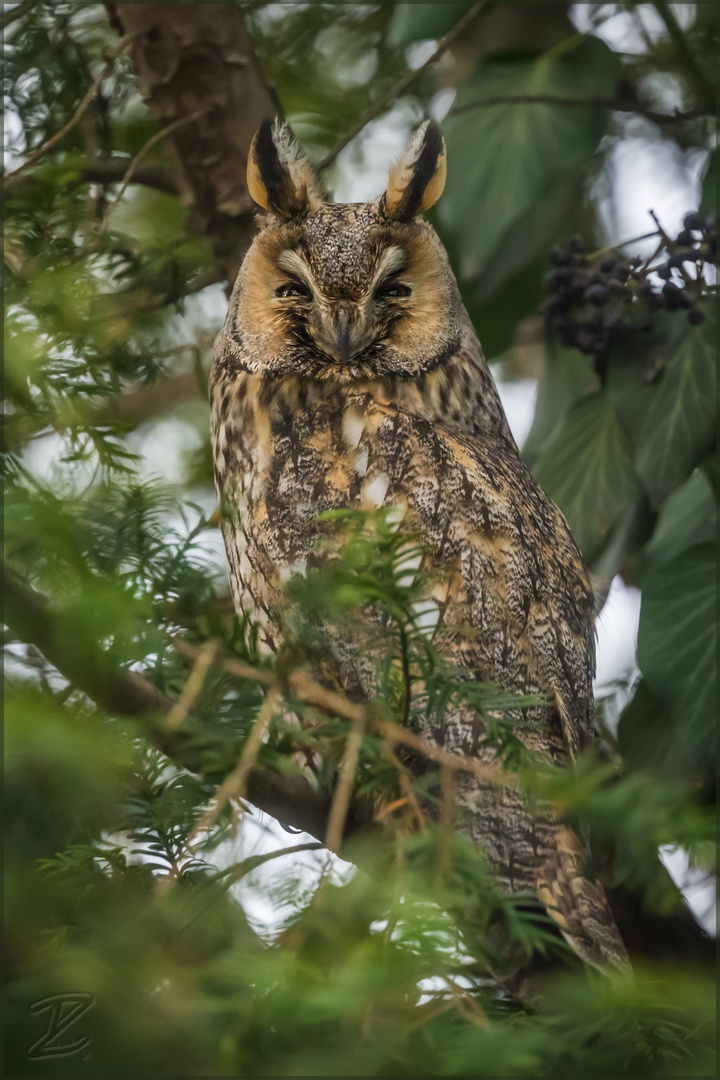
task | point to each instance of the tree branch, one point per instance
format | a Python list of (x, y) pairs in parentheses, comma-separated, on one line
[(288, 798), (109, 170), (39, 151), (134, 164), (674, 29), (404, 83), (581, 103), (59, 636)]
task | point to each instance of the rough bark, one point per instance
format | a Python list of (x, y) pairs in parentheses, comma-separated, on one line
[(192, 58)]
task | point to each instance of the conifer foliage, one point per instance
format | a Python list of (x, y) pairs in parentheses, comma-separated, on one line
[(176, 798)]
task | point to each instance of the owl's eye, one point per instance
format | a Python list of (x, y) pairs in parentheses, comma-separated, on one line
[(293, 288), (392, 290)]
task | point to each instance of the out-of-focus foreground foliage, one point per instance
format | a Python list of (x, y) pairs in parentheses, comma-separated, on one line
[(109, 515)]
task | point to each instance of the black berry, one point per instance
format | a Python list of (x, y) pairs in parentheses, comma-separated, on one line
[(560, 256), (615, 288), (597, 294)]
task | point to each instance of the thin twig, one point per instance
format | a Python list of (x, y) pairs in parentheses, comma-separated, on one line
[(76, 117), (667, 242), (233, 786), (406, 787), (403, 84), (445, 821), (651, 258), (231, 666), (407, 677), (189, 346), (457, 762), (660, 229), (308, 691), (467, 1006), (18, 12), (193, 686), (390, 808), (623, 243), (447, 803), (343, 790), (232, 874), (153, 303), (581, 103), (674, 29), (156, 138)]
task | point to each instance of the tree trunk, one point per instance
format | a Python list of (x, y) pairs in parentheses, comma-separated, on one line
[(198, 58)]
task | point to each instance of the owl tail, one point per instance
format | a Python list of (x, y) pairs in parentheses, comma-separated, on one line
[(580, 907)]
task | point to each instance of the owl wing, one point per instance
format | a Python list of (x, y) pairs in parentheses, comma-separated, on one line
[(538, 590), (506, 565)]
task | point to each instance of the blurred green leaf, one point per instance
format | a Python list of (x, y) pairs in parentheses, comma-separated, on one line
[(587, 469), (677, 643), (566, 377), (647, 735), (513, 168), (687, 517), (709, 198), (679, 427), (418, 22), (496, 320)]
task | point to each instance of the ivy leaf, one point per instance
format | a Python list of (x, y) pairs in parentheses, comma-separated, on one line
[(686, 518), (647, 736), (708, 201), (587, 469), (567, 375), (679, 427), (514, 167), (677, 642), (419, 22)]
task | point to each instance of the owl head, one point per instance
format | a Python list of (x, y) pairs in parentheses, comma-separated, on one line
[(344, 291)]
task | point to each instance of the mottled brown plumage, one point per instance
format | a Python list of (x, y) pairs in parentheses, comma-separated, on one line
[(348, 375)]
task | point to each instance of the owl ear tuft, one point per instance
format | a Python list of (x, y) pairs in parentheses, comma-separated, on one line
[(417, 178), (278, 178)]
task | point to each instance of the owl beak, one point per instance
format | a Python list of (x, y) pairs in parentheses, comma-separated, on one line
[(342, 333), (343, 337)]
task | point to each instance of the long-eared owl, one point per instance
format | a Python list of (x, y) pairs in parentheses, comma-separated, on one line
[(348, 374)]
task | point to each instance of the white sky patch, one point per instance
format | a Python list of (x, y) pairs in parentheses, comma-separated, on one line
[(629, 31), (164, 447), (442, 103), (361, 172), (518, 400), (617, 627), (649, 174), (698, 886), (419, 53), (261, 835)]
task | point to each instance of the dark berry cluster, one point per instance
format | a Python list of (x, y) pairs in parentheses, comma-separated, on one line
[(597, 298)]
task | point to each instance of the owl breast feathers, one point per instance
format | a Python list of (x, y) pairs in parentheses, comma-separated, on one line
[(348, 375)]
